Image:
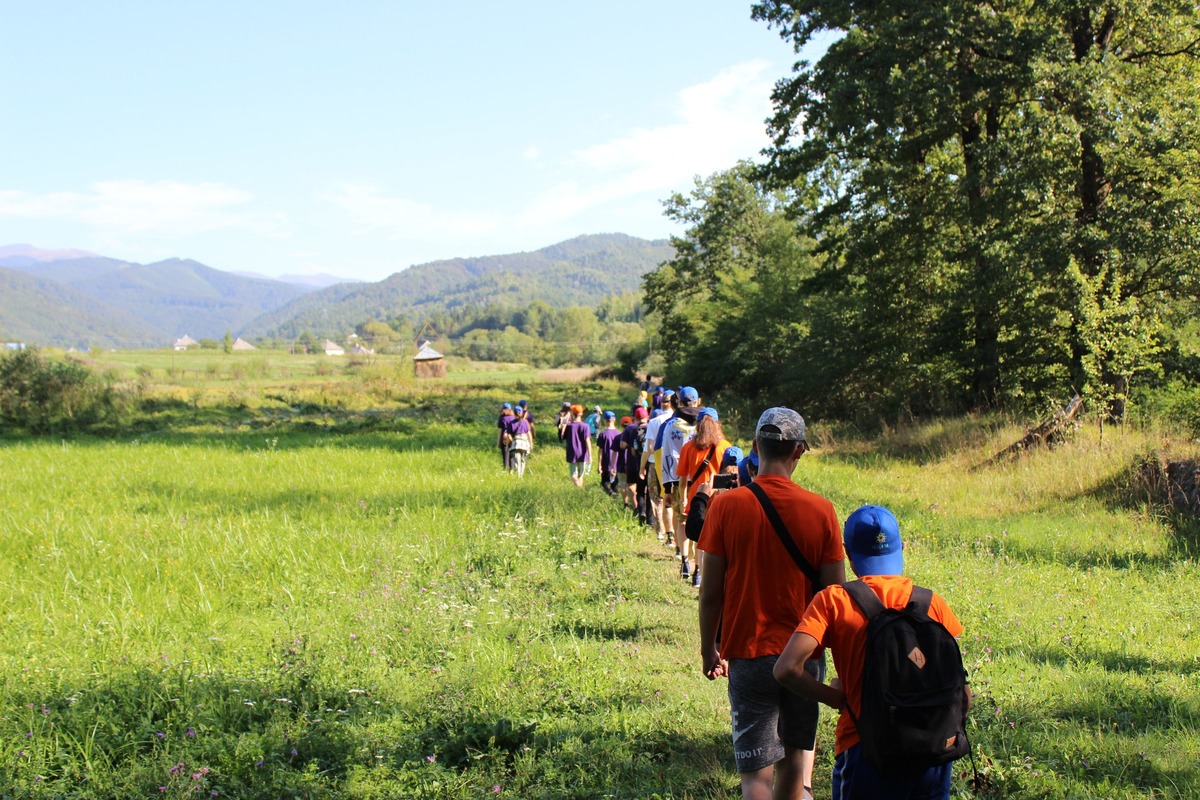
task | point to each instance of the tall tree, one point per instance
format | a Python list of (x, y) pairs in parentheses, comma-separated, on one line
[(1018, 164)]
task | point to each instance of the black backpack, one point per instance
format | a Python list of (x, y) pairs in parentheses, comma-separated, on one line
[(914, 705)]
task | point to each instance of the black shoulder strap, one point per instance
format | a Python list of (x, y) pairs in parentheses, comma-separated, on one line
[(712, 451), (920, 599), (864, 598), (785, 537)]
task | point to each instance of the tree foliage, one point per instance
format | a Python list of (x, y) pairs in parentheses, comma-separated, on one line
[(1005, 201), (42, 395)]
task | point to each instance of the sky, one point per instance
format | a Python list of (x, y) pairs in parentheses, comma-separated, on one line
[(360, 137)]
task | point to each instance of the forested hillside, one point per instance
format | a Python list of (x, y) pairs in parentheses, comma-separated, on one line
[(133, 305), (579, 272), (37, 310)]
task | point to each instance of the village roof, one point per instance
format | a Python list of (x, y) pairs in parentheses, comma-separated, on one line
[(186, 341), (242, 344)]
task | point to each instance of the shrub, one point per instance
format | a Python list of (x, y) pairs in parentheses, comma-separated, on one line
[(43, 396)]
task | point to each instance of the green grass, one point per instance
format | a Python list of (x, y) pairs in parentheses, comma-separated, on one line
[(352, 601)]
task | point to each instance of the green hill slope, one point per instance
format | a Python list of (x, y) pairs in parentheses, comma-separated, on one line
[(40, 311), (581, 271)]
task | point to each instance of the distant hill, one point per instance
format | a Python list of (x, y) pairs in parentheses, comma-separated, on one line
[(580, 271), (315, 280), (12, 255), (42, 311), (152, 303)]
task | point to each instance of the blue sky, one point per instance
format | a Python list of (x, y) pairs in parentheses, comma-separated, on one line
[(361, 137)]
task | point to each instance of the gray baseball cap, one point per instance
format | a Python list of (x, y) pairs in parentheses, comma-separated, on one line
[(782, 424)]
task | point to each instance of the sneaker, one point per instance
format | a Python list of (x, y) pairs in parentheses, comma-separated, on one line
[(695, 577), (684, 572), (662, 537)]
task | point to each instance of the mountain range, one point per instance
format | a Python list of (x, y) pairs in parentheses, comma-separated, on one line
[(75, 298)]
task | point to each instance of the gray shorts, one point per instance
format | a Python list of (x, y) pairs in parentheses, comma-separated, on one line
[(767, 717)]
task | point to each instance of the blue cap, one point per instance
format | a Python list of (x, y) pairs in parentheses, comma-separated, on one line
[(523, 403), (669, 393), (872, 540), (658, 412), (744, 476), (507, 406), (708, 412), (610, 415), (688, 394), (733, 454)]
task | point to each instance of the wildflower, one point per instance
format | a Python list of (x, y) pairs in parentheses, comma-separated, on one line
[(160, 734), (496, 789), (295, 752), (189, 733), (431, 759)]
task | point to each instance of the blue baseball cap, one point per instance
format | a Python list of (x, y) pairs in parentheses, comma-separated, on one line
[(688, 394), (523, 403), (872, 540), (658, 412), (708, 412), (610, 415), (733, 454), (744, 476), (507, 406)]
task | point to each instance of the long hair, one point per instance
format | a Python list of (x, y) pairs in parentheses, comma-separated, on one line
[(708, 433)]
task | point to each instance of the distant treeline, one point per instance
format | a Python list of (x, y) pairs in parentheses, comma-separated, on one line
[(538, 334)]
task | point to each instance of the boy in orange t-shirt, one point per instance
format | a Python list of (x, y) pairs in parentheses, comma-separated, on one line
[(833, 620)]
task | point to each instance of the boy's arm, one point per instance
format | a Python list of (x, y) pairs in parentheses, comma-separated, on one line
[(832, 573), (789, 671), (712, 599)]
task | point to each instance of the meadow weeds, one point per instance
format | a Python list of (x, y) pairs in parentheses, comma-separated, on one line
[(296, 598)]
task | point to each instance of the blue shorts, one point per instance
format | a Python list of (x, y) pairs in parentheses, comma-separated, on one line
[(855, 779)]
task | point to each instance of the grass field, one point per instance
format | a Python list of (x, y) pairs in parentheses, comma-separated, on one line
[(289, 598)]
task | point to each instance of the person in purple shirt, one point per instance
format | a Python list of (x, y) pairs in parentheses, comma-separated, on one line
[(607, 440), (503, 435), (522, 441), (577, 437)]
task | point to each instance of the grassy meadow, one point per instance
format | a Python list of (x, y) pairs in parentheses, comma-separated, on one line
[(322, 585)]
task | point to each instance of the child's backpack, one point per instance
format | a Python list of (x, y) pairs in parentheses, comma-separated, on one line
[(914, 705)]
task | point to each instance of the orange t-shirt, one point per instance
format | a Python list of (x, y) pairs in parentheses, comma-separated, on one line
[(690, 458), (765, 591), (836, 622)]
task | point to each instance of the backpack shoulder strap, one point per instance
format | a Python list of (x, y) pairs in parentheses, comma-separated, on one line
[(920, 599), (712, 451), (781, 529), (864, 597)]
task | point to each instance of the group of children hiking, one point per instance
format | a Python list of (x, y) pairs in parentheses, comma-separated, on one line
[(775, 597)]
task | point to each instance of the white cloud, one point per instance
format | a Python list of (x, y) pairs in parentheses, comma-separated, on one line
[(530, 153), (403, 218), (718, 123), (145, 207)]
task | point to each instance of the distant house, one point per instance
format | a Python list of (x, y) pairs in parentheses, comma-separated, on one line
[(184, 342), (332, 349), (360, 350), (242, 344), (429, 363)]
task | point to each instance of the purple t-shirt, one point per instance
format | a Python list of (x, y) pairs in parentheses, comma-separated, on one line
[(607, 440), (576, 436)]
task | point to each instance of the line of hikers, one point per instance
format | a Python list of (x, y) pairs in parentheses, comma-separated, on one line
[(775, 596)]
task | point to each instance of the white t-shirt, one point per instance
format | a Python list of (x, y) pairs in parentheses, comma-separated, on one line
[(674, 436), (652, 434)]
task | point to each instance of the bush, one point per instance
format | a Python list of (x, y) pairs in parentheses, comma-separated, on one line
[(45, 396)]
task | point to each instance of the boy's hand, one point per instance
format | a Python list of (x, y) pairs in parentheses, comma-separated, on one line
[(715, 666)]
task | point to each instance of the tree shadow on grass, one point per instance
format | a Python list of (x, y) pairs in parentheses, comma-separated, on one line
[(1074, 656), (1128, 740)]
